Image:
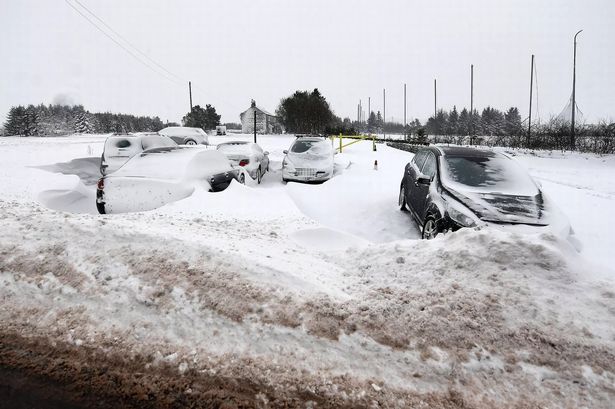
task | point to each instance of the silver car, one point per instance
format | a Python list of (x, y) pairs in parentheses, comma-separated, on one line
[(121, 147), (309, 159), (183, 135), (247, 155)]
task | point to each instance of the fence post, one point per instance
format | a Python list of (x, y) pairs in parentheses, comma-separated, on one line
[(374, 143), (340, 142)]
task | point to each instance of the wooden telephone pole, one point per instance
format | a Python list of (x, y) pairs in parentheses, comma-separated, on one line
[(529, 120), (190, 92)]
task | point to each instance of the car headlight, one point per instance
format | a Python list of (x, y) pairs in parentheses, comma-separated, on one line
[(286, 164), (460, 217)]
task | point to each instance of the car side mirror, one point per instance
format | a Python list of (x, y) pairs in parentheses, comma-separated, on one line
[(266, 153), (285, 151), (423, 180)]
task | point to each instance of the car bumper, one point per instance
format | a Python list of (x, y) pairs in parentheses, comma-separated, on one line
[(221, 181), (306, 176)]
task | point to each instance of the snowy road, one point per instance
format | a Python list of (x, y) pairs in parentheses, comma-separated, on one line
[(278, 295)]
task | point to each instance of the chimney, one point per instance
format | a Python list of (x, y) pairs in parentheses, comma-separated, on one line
[(253, 104)]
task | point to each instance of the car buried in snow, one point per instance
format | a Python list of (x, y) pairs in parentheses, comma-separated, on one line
[(119, 148), (309, 159), (248, 156), (160, 176), (184, 135), (446, 188)]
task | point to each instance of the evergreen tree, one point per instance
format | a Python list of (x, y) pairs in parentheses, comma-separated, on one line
[(82, 121), (15, 121), (492, 121), (372, 122), (463, 124), (204, 118), (475, 124), (30, 121), (306, 112), (452, 125), (513, 122)]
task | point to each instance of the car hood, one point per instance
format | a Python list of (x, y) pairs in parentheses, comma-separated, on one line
[(505, 208), (308, 160)]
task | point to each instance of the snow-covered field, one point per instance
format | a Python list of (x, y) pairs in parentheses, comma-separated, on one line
[(298, 293)]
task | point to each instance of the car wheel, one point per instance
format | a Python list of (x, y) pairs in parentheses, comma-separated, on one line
[(190, 142), (430, 228), (100, 207), (402, 198), (242, 179), (259, 176)]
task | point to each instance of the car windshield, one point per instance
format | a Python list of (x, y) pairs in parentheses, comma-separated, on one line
[(494, 174), (318, 148)]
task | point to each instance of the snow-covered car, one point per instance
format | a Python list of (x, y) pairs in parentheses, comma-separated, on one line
[(119, 148), (184, 135), (309, 159), (247, 155), (450, 187), (160, 176)]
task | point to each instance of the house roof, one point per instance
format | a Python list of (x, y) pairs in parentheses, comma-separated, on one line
[(262, 110)]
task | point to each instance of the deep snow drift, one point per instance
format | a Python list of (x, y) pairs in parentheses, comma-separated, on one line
[(316, 292)]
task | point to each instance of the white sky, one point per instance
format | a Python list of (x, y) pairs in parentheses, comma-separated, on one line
[(235, 50)]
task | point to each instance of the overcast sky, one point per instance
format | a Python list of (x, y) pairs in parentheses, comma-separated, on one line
[(235, 50)]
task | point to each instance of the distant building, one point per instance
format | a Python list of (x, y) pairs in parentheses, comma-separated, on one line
[(266, 122)]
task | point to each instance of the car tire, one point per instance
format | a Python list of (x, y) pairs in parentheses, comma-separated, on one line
[(190, 142), (401, 201), (101, 208), (242, 178), (430, 228), (259, 176)]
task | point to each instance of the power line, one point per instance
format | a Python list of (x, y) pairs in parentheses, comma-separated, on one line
[(178, 80), (128, 42), (120, 44)]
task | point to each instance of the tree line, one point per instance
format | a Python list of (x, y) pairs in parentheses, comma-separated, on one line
[(55, 119)]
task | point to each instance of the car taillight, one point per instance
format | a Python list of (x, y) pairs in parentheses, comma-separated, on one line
[(101, 184), (244, 162)]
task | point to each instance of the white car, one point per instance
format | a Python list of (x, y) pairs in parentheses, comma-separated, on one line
[(309, 159), (184, 135), (119, 148), (247, 155), (160, 176)]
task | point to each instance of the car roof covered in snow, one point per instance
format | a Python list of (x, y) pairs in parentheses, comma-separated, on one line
[(181, 131), (175, 162), (465, 151), (234, 143)]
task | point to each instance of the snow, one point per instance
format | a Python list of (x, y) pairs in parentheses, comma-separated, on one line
[(318, 287)]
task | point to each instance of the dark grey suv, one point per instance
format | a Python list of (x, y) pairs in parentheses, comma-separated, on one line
[(450, 187)]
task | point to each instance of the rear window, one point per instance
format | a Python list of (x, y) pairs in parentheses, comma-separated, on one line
[(122, 143), (155, 141), (230, 148)]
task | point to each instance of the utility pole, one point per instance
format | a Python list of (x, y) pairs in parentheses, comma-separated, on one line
[(360, 112), (404, 106), (471, 104), (254, 124), (574, 84), (435, 99), (529, 121), (190, 91), (384, 111)]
